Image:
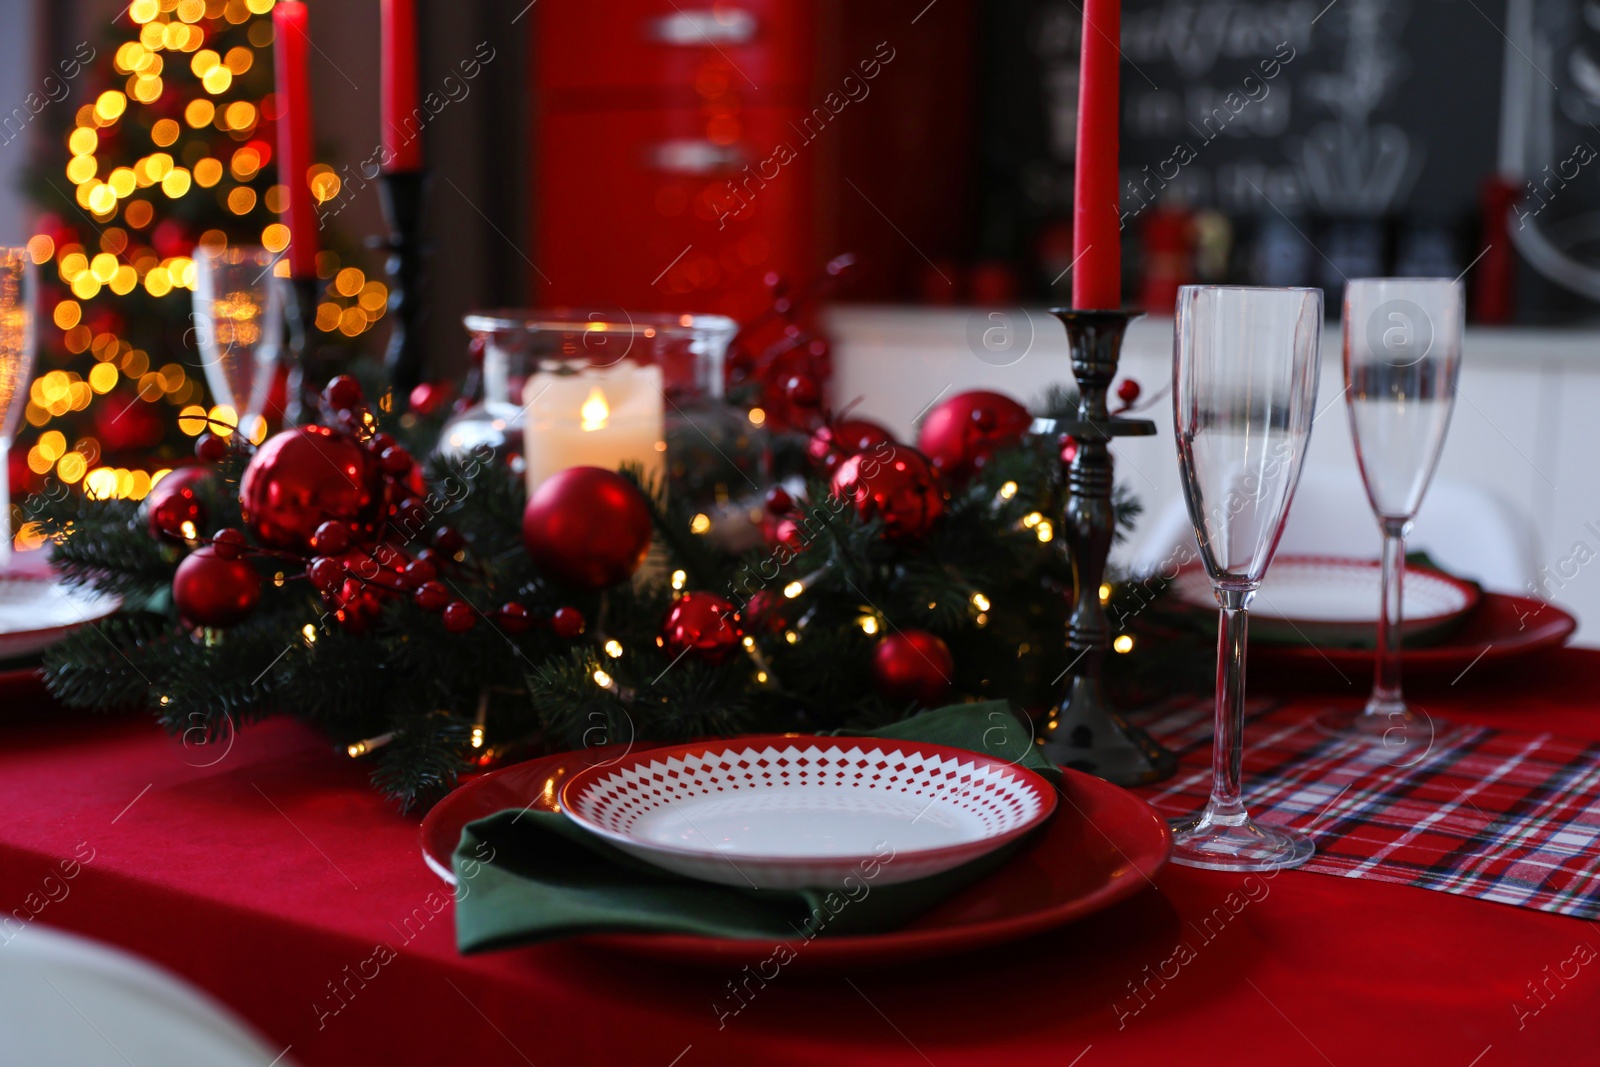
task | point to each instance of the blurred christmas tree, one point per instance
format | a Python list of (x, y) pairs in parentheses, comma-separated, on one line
[(173, 149)]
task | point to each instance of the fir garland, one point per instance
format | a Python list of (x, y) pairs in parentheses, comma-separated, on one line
[(991, 579)]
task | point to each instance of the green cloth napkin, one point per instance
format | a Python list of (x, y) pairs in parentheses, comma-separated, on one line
[(529, 876)]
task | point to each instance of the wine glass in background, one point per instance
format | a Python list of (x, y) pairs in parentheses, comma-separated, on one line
[(1244, 397), (1402, 355), (17, 293), (238, 324)]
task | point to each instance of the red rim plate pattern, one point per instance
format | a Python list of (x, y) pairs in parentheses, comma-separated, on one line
[(972, 804), (1103, 845)]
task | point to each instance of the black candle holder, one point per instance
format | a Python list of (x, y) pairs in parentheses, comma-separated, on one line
[(1082, 730), (301, 396), (402, 196)]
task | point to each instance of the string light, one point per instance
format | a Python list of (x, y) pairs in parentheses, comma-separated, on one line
[(613, 648), (980, 602), (868, 624), (679, 579), (1105, 593), (1123, 643), (361, 748)]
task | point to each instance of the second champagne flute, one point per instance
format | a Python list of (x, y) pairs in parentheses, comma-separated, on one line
[(1402, 355), (1244, 396), (239, 325)]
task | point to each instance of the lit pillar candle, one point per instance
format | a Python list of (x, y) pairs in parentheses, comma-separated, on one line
[(1096, 221), (402, 141), (597, 417), (290, 42)]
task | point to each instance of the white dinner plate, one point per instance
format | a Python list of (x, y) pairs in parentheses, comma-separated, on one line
[(1318, 598), (37, 611), (788, 812)]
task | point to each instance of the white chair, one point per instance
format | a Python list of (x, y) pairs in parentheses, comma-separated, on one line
[(1466, 529), (67, 1001)]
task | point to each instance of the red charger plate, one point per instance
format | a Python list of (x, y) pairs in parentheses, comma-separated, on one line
[(1501, 627), (1103, 844)]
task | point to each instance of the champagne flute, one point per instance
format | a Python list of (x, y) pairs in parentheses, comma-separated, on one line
[(1244, 396), (18, 289), (238, 320), (1402, 355)]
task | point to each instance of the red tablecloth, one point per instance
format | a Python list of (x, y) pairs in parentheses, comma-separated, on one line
[(273, 877)]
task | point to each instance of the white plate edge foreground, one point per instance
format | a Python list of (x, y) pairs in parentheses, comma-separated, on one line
[(92, 607), (797, 870)]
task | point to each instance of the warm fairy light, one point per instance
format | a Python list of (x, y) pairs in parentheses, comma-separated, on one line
[(868, 624), (982, 620), (757, 416), (679, 579), (602, 679), (41, 248), (791, 637), (700, 523), (309, 632), (613, 649), (361, 748), (748, 642), (1008, 490), (1124, 643), (980, 602), (1032, 519), (596, 414), (1105, 593), (477, 737), (187, 529), (224, 420), (1045, 530), (794, 589)]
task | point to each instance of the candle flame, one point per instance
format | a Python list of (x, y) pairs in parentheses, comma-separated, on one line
[(595, 411)]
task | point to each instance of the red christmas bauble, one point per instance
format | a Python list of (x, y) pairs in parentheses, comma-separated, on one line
[(831, 445), (588, 527), (901, 487), (174, 508), (212, 591), (962, 434), (913, 665), (304, 477), (704, 625), (126, 423)]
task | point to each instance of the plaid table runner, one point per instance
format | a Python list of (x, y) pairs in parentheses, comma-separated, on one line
[(1497, 815)]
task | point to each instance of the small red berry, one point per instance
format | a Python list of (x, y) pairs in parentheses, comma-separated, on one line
[(417, 573), (331, 538), (1128, 391), (802, 391), (381, 442), (229, 543), (514, 618), (779, 502), (325, 574), (567, 622), (396, 460), (343, 393), (431, 596), (459, 617), (448, 540), (210, 448)]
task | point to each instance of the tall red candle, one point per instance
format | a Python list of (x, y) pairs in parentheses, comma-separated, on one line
[(290, 42), (402, 127), (1096, 223)]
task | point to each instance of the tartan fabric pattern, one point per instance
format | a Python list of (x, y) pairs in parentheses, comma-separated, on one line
[(1497, 815)]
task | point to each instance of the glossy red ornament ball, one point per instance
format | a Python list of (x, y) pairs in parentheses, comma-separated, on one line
[(459, 617), (703, 625), (342, 393), (567, 622), (304, 477), (831, 445), (900, 487), (209, 448), (913, 665), (211, 591), (173, 508), (963, 433), (588, 527)]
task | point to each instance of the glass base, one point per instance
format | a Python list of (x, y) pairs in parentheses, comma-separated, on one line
[(1405, 736), (1237, 844)]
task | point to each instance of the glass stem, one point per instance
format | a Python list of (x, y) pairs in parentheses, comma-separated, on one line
[(1386, 698), (1227, 752)]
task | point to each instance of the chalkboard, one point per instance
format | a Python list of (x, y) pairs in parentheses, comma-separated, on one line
[(1261, 109)]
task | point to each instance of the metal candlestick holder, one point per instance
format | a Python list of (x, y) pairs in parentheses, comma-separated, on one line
[(402, 195), (1082, 730), (300, 401)]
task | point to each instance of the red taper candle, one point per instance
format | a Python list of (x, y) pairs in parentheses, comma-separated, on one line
[(1096, 222), (402, 125), (290, 42)]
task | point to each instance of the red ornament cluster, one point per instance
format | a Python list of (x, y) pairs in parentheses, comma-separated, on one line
[(913, 666), (896, 484), (963, 433), (704, 625)]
